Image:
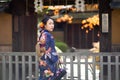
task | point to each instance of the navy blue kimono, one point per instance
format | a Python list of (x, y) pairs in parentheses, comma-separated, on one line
[(50, 57)]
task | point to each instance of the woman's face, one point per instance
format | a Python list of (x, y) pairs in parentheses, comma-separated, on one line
[(49, 25)]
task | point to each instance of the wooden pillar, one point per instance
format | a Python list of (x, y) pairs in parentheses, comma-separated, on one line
[(105, 25), (105, 30)]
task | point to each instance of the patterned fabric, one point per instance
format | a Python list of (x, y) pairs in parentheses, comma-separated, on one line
[(48, 62)]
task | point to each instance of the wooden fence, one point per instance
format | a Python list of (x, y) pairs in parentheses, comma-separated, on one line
[(82, 65), (18, 66)]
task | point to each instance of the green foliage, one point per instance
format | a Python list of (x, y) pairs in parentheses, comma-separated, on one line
[(62, 46)]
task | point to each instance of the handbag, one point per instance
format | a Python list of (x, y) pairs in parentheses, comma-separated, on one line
[(39, 49), (61, 71)]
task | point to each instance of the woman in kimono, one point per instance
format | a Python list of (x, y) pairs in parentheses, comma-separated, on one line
[(48, 61)]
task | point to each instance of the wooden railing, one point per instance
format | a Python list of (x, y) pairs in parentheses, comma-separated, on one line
[(81, 65), (18, 66)]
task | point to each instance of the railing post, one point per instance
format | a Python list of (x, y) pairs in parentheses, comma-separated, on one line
[(10, 68), (36, 67), (3, 68), (117, 73), (16, 68), (30, 67), (23, 67)]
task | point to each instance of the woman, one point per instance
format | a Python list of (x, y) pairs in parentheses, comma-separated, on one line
[(48, 61)]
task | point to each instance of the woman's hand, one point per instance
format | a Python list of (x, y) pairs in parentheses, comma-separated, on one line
[(48, 73), (42, 63), (48, 51)]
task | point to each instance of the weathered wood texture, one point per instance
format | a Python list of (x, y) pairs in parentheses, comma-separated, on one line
[(105, 38), (24, 33), (77, 37)]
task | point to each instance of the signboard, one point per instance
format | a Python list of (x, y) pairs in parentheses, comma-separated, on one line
[(105, 23)]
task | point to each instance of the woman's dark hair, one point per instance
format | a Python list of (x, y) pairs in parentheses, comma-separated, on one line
[(45, 19)]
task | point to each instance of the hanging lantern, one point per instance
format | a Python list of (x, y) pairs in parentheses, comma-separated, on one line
[(80, 5), (38, 5)]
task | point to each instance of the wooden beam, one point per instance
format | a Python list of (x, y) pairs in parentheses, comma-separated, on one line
[(78, 15)]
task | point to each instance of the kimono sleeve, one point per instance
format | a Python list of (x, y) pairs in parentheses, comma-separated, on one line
[(53, 57)]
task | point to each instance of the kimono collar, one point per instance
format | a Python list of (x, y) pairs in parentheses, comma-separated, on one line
[(46, 30)]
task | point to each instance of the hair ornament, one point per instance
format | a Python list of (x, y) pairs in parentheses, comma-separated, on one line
[(41, 25)]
